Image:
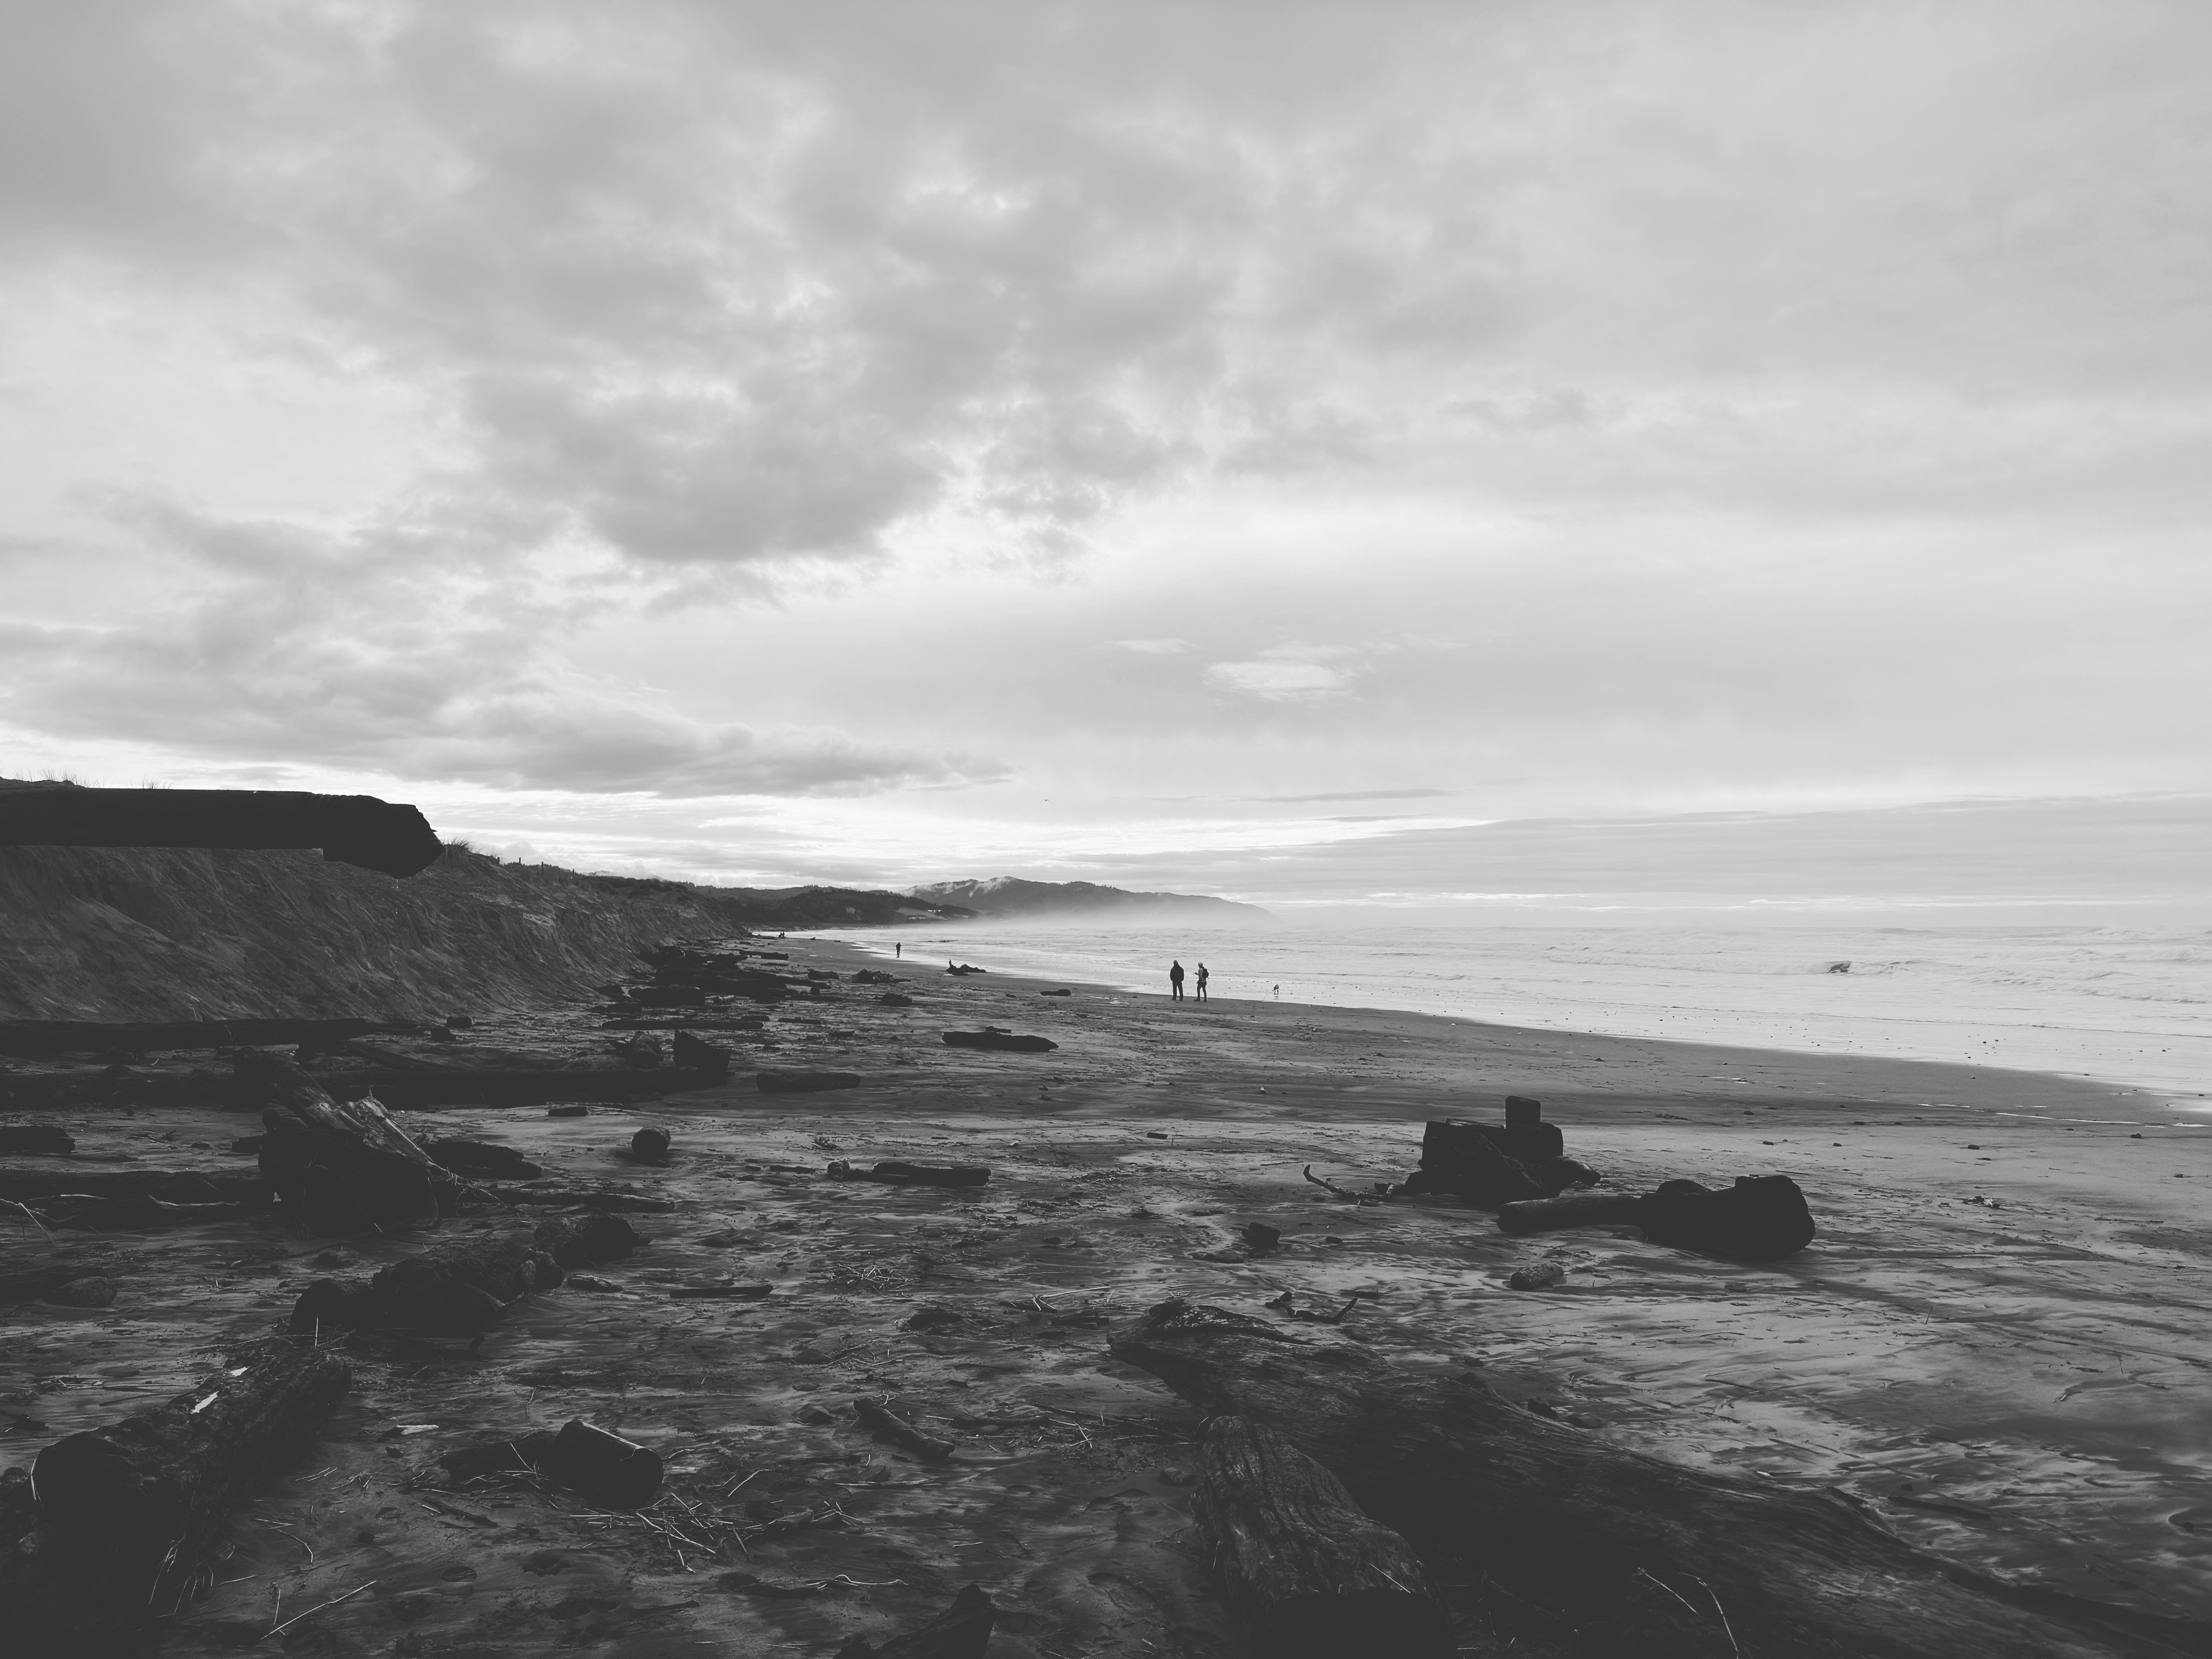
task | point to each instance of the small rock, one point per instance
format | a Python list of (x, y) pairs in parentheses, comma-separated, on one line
[(818, 1415), (1260, 1236), (1541, 1277)]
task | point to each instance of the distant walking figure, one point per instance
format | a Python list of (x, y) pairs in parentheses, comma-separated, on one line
[(898, 950), (1278, 993), (1202, 977), (1175, 981)]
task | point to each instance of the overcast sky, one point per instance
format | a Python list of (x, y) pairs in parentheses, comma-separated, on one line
[(1234, 445)]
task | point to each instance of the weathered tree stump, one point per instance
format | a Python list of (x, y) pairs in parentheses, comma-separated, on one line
[(1491, 1165), (1608, 1550), (116, 1525), (1306, 1573), (340, 1167)]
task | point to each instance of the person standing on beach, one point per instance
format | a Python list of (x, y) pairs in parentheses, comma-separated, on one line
[(1202, 977), (898, 950), (1175, 981)]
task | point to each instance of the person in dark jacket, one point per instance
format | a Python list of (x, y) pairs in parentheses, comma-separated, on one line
[(1175, 981)]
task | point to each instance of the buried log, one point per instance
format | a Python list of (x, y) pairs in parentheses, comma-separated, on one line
[(40, 1039), (963, 1630), (1002, 1042), (340, 1167), (1608, 1549), (79, 1284), (482, 1160), (376, 835), (424, 1088), (164, 1185), (1306, 1573), (120, 1524), (35, 1138), (458, 1287), (887, 1424), (1760, 1219), (806, 1083), (597, 1465), (586, 1240), (893, 1173)]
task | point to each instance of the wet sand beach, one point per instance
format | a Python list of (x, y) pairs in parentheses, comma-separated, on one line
[(1999, 1342)]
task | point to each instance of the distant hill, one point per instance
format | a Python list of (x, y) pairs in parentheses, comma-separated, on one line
[(1009, 895)]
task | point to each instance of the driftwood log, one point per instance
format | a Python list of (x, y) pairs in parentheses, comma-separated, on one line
[(1599, 1551), (461, 1286), (806, 1083), (116, 1199), (458, 1287), (340, 1167), (482, 1160), (893, 1173), (963, 1630), (37, 1039), (360, 830), (1760, 1219), (169, 1186), (887, 1424), (1305, 1572), (119, 1525), (1003, 1041)]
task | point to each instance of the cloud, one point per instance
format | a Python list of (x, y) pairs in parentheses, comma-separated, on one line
[(1354, 795), (360, 653), (1154, 648), (1279, 681)]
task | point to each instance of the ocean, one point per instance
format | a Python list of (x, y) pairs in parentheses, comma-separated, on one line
[(2119, 1005)]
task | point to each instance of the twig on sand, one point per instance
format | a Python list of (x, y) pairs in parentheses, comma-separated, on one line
[(1343, 1192), (278, 1630), (31, 1215)]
